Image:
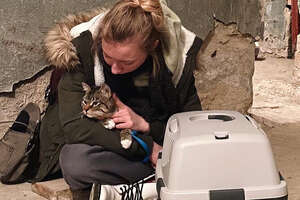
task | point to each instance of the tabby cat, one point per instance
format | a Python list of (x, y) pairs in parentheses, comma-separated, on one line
[(98, 103)]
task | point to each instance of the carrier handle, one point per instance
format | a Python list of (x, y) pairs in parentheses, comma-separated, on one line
[(252, 121), (224, 118)]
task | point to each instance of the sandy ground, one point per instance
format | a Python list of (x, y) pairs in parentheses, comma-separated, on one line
[(276, 107), (285, 140)]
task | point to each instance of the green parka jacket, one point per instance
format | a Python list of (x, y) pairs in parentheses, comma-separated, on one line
[(63, 123)]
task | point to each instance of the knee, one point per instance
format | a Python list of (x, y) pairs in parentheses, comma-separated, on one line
[(74, 160)]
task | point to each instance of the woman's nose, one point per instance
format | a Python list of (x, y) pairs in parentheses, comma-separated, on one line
[(115, 68)]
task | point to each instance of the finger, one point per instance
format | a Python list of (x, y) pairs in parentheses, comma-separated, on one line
[(122, 126), (119, 113), (125, 124), (122, 118), (118, 120)]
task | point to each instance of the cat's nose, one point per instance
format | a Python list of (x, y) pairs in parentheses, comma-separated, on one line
[(86, 107)]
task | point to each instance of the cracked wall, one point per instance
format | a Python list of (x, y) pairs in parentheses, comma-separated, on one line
[(24, 24), (22, 29), (200, 15)]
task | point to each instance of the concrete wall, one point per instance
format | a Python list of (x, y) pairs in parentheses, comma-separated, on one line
[(24, 23), (277, 29), (200, 15)]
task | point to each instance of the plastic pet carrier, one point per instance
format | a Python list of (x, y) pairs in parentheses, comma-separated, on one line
[(217, 155)]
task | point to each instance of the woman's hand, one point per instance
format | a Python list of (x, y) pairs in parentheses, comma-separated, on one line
[(125, 117), (154, 155)]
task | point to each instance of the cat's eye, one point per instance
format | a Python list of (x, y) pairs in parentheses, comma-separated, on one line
[(96, 103), (84, 102), (104, 108)]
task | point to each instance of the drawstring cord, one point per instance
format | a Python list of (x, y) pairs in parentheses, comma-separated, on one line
[(134, 191)]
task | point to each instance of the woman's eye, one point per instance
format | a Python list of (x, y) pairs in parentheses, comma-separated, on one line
[(128, 63), (106, 56)]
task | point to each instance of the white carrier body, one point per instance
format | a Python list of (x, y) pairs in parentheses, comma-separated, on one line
[(212, 155)]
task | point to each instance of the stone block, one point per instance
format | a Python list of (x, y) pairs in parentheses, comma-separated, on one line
[(225, 69), (53, 190)]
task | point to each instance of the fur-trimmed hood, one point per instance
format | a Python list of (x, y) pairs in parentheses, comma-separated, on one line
[(61, 53), (59, 49)]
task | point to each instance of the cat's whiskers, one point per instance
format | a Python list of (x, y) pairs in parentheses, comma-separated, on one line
[(82, 114)]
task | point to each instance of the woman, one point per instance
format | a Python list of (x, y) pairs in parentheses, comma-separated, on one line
[(139, 48)]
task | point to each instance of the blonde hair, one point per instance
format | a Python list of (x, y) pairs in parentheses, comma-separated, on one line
[(129, 18)]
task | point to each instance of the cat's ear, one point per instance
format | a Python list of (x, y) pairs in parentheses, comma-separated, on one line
[(85, 87), (105, 89)]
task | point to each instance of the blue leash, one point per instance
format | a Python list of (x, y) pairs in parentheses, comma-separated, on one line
[(143, 144)]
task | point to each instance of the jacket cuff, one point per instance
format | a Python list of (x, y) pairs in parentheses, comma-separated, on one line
[(157, 131)]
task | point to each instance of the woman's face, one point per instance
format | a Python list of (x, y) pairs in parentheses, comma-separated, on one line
[(124, 57)]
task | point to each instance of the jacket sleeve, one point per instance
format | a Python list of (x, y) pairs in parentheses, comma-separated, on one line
[(78, 129), (188, 96), (188, 99)]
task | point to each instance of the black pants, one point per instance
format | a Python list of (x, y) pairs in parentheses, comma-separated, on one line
[(82, 165)]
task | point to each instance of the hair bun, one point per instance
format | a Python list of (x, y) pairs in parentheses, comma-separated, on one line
[(154, 8)]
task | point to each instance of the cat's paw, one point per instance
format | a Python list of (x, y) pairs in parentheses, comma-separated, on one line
[(109, 124), (126, 143)]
